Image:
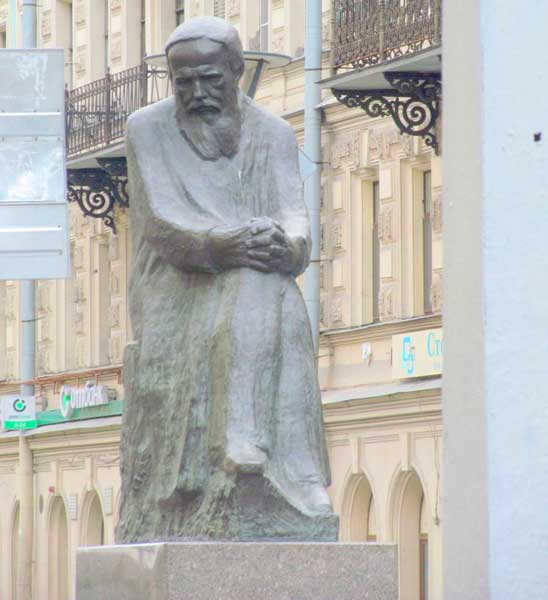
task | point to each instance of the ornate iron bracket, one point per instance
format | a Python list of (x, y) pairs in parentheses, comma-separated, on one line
[(97, 191), (413, 103)]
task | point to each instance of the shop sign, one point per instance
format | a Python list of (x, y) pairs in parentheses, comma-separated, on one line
[(19, 412), (417, 354), (91, 394)]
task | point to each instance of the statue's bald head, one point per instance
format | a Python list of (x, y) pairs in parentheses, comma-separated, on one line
[(215, 30)]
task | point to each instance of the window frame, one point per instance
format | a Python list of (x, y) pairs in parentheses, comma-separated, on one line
[(371, 250)]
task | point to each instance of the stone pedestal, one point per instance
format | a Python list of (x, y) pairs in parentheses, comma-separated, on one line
[(238, 571)]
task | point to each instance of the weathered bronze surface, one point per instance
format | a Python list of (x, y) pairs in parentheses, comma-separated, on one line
[(222, 434)]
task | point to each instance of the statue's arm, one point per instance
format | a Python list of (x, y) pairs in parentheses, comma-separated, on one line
[(293, 214), (187, 249)]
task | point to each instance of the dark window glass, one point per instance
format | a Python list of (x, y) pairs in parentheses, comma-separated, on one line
[(376, 251), (427, 239)]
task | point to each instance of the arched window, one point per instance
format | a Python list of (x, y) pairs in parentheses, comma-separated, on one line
[(371, 521), (15, 550), (359, 512), (94, 526), (424, 563), (58, 551), (412, 541)]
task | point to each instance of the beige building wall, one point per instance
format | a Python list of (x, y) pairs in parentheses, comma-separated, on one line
[(384, 434)]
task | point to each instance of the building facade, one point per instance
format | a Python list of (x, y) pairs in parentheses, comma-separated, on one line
[(381, 300)]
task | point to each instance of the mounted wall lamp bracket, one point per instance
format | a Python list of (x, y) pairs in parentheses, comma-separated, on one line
[(413, 102), (98, 190)]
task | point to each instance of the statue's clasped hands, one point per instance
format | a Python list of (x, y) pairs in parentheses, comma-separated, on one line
[(261, 244)]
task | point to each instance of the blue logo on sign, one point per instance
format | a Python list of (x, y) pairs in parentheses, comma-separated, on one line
[(408, 355)]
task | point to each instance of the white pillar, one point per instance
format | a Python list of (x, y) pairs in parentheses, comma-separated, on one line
[(26, 516), (495, 397)]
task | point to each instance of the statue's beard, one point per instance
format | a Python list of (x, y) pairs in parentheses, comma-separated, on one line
[(220, 137)]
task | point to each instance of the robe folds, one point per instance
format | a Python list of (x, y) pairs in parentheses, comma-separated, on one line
[(219, 356)]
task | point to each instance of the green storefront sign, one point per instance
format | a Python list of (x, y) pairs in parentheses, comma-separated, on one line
[(19, 412)]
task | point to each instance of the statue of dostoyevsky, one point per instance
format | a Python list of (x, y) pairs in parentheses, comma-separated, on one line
[(222, 431)]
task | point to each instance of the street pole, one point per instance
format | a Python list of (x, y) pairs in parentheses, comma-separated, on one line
[(28, 301), (312, 148), (28, 341)]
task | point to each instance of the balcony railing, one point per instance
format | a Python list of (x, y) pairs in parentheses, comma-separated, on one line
[(369, 32), (97, 112)]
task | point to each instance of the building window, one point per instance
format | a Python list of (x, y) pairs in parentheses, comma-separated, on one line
[(376, 251), (427, 239), (424, 565), (143, 28), (94, 530), (3, 38), (15, 550), (263, 26), (106, 35), (58, 559), (371, 521), (179, 11), (371, 251)]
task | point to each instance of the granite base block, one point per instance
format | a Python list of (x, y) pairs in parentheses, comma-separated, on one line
[(238, 571)]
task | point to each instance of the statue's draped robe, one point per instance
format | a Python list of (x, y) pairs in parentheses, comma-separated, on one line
[(218, 356)]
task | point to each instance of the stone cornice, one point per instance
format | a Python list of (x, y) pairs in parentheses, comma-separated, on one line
[(378, 331), (423, 407)]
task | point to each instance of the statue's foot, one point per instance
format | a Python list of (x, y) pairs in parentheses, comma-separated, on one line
[(245, 458), (317, 500)]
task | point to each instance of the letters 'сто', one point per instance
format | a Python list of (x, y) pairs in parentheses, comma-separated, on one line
[(222, 434)]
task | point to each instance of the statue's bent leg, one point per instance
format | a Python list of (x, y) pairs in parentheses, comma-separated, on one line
[(246, 366), (300, 466)]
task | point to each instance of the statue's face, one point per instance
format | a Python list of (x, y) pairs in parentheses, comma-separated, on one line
[(202, 77)]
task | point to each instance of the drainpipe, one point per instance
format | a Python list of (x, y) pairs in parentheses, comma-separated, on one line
[(29, 23), (28, 324), (312, 148)]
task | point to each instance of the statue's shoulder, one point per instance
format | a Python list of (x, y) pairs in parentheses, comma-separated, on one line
[(150, 117), (267, 123)]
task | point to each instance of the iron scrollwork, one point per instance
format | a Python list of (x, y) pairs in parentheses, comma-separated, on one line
[(413, 103), (98, 190)]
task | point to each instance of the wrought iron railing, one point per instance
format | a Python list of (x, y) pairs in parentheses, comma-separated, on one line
[(368, 32), (97, 112)]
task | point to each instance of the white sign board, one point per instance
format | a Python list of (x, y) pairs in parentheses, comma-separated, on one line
[(90, 395), (34, 237), (18, 412), (417, 354)]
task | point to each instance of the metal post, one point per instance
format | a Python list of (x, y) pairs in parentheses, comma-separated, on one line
[(256, 79), (312, 147), (28, 327), (27, 300), (29, 23), (108, 100)]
